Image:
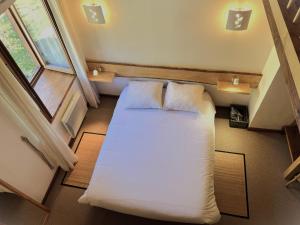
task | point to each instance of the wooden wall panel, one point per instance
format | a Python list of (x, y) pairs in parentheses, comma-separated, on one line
[(174, 73), (293, 24)]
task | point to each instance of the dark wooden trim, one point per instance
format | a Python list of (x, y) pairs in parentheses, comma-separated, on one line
[(284, 68), (265, 130), (172, 68), (27, 198), (51, 185), (16, 71), (71, 142), (37, 76), (23, 195)]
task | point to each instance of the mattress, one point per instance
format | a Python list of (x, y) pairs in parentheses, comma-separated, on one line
[(157, 164)]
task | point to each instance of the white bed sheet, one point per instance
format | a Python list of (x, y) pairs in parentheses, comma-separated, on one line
[(157, 164)]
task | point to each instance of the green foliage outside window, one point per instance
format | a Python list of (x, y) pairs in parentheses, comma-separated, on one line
[(16, 48)]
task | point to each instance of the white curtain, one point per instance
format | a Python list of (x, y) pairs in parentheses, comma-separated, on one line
[(27, 115), (77, 58)]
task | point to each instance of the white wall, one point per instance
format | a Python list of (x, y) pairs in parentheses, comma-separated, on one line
[(183, 33), (270, 106), (269, 72), (19, 165)]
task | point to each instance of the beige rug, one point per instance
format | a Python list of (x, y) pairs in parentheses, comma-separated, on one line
[(87, 152), (231, 183), (230, 174)]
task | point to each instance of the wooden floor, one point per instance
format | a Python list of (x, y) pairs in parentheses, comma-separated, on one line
[(230, 177)]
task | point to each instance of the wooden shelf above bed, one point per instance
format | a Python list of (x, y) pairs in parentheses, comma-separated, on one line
[(242, 88), (180, 74), (103, 77)]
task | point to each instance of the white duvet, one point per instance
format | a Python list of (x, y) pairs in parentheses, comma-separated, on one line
[(157, 164)]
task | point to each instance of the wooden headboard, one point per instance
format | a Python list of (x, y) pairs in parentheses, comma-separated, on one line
[(174, 73)]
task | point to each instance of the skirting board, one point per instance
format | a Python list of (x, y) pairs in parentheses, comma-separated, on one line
[(220, 98), (265, 130)]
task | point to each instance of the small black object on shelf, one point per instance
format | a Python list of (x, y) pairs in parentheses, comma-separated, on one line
[(239, 116)]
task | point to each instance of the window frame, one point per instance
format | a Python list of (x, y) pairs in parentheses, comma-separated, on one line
[(17, 72), (24, 40), (23, 28)]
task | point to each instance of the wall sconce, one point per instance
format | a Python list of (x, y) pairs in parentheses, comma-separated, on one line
[(94, 13), (238, 19)]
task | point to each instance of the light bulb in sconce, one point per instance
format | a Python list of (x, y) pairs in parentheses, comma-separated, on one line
[(235, 81)]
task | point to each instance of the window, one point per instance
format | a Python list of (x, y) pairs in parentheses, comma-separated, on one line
[(42, 33), (29, 35), (17, 47), (32, 48)]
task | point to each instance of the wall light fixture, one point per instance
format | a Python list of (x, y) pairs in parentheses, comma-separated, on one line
[(238, 19), (94, 13)]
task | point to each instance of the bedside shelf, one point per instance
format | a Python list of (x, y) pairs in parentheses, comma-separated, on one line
[(104, 77), (242, 88)]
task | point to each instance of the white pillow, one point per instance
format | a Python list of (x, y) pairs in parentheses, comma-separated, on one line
[(144, 94), (184, 97)]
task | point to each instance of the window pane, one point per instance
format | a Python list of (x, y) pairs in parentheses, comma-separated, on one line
[(40, 28), (17, 48)]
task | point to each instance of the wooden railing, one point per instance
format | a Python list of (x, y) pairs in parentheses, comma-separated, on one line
[(290, 10), (289, 65)]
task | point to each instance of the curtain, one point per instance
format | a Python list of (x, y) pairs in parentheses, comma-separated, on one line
[(77, 59), (27, 115)]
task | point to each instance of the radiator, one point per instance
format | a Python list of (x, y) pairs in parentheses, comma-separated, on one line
[(74, 115)]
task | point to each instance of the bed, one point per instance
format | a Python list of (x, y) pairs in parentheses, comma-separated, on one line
[(157, 164)]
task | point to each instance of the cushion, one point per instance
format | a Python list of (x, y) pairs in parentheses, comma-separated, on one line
[(184, 97), (144, 94)]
